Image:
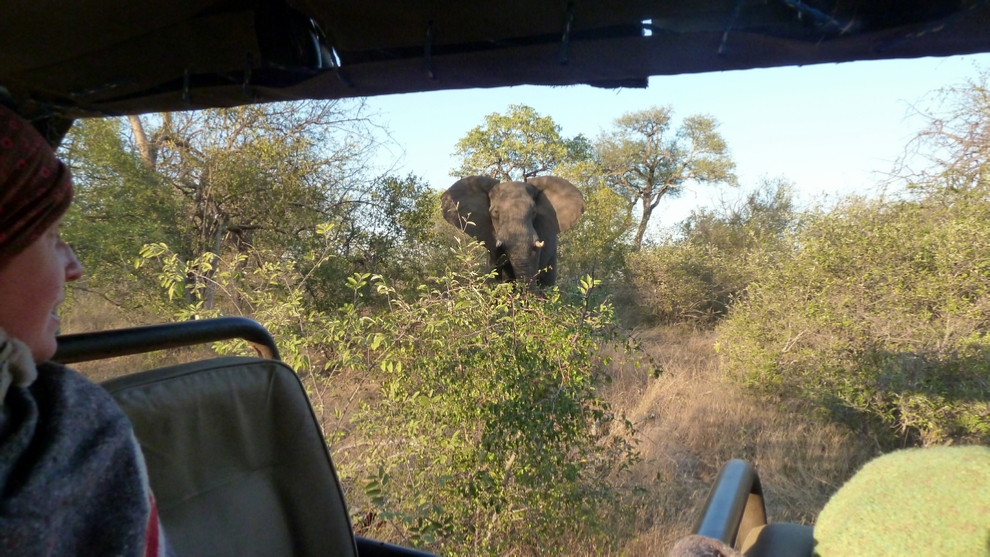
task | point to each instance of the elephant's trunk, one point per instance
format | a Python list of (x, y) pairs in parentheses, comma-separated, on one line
[(524, 259)]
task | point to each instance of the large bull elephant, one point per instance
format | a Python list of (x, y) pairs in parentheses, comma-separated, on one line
[(517, 221)]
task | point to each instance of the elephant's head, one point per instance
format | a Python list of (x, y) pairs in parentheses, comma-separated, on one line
[(517, 221)]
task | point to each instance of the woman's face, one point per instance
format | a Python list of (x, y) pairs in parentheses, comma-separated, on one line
[(32, 285)]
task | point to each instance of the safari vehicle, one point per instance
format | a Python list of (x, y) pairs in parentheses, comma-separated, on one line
[(235, 455)]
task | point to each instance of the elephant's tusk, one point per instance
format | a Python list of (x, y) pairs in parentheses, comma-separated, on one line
[(539, 243)]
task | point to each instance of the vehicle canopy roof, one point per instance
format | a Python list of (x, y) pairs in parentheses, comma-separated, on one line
[(77, 58)]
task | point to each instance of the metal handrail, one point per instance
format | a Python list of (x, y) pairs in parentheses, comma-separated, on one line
[(734, 506), (374, 548), (84, 347)]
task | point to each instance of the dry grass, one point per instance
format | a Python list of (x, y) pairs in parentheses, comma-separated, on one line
[(89, 312), (691, 421)]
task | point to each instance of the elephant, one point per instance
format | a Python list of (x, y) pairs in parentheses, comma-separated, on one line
[(518, 222)]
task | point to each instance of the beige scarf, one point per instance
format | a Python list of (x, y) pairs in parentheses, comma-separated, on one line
[(16, 365)]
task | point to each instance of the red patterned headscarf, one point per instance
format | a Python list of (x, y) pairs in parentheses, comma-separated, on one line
[(35, 187)]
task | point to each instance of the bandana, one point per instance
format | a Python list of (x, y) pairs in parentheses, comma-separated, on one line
[(35, 188)]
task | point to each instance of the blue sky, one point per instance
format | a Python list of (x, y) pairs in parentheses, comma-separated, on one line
[(828, 128)]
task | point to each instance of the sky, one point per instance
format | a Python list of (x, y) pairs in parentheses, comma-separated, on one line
[(831, 128)]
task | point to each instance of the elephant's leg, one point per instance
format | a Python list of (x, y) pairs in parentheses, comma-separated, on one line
[(548, 278)]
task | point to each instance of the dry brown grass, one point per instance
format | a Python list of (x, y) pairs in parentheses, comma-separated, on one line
[(89, 312), (691, 421)]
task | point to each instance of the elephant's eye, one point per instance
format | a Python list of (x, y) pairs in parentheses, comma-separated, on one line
[(494, 215)]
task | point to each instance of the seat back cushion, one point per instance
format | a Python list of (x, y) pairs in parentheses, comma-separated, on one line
[(236, 459)]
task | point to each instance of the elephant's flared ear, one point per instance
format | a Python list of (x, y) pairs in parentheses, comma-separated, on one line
[(467, 200), (567, 201)]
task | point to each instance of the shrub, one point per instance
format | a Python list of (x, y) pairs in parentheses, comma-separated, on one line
[(880, 316), (684, 282), (695, 276), (487, 433)]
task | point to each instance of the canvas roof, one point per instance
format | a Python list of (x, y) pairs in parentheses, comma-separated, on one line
[(75, 58)]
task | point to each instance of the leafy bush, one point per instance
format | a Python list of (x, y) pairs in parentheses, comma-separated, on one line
[(880, 316), (490, 431), (598, 243), (266, 287), (696, 275), (681, 282), (487, 433)]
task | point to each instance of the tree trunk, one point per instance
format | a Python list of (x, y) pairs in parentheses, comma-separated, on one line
[(211, 286), (149, 153), (643, 222)]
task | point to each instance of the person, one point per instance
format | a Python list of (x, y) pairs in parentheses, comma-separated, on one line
[(72, 477), (920, 501), (931, 501)]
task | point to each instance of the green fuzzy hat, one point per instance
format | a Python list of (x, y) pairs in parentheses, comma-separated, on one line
[(912, 502)]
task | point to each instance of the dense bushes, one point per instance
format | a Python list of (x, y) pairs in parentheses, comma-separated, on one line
[(489, 430), (876, 310), (880, 313), (487, 433), (695, 275), (678, 282)]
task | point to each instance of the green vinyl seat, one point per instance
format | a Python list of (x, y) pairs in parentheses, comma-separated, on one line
[(236, 459)]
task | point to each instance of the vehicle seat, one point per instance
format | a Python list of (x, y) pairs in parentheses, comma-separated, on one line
[(236, 459)]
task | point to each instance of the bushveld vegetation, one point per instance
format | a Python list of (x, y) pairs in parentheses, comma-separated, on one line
[(880, 317), (468, 418)]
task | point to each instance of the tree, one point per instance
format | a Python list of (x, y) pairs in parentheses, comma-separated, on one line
[(645, 162), (255, 180), (757, 220), (954, 144), (392, 234), (598, 244), (259, 174), (119, 206), (516, 146)]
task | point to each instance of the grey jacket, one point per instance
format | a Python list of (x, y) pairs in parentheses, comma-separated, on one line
[(72, 477)]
